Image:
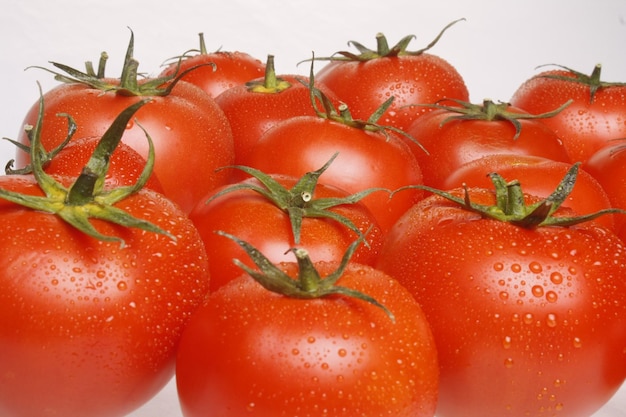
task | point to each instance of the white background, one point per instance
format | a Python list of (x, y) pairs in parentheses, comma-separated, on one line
[(499, 46)]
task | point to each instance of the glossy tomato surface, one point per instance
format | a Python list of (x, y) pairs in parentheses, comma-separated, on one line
[(248, 350), (528, 322), (88, 327)]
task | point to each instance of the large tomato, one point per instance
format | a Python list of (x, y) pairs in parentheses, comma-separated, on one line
[(278, 213), (528, 321), (249, 350), (256, 106), (366, 79), (454, 135), (367, 159), (539, 177), (595, 116), (90, 321), (217, 71), (191, 134)]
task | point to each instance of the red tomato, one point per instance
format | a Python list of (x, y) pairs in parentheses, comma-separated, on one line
[(595, 116), (366, 159), (258, 105), (87, 327), (366, 80), (126, 165), (216, 71), (528, 321), (248, 350), (259, 221), (538, 177), (608, 166), (453, 140)]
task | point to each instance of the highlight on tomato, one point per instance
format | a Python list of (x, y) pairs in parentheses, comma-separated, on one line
[(525, 298), (308, 338), (96, 286)]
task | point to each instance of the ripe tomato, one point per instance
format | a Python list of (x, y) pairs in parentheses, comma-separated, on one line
[(215, 72), (191, 134), (249, 350), (126, 165), (367, 159), (595, 116), (455, 135), (608, 166), (258, 105), (365, 80), (527, 321), (539, 177), (92, 300), (268, 226)]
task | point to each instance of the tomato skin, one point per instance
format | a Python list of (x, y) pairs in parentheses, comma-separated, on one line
[(85, 324), (251, 113), (584, 126), (250, 350), (420, 79), (457, 142), (231, 69), (608, 166), (191, 135), (527, 322), (538, 176), (126, 165), (366, 160), (260, 222)]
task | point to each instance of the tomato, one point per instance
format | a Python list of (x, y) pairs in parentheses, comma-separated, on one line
[(217, 71), (258, 105), (608, 166), (538, 176), (595, 116), (126, 165), (528, 321), (456, 135), (367, 159), (191, 134), (95, 290), (365, 80), (269, 226), (249, 350)]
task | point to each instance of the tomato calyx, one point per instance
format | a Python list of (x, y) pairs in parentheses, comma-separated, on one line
[(299, 202), (383, 50), (308, 284), (511, 206), (271, 84), (129, 83), (86, 197), (593, 80), (489, 111), (341, 114)]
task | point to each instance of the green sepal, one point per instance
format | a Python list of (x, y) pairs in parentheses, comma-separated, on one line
[(298, 202), (309, 284)]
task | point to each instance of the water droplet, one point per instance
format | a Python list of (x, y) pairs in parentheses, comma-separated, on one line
[(556, 278), (508, 362), (342, 352), (537, 291), (552, 297), (535, 267), (295, 352), (551, 320), (311, 339), (516, 268), (577, 342), (504, 295), (122, 286), (498, 266), (54, 282), (528, 318), (101, 274), (506, 343)]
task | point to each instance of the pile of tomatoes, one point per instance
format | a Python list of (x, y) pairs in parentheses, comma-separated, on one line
[(359, 241)]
